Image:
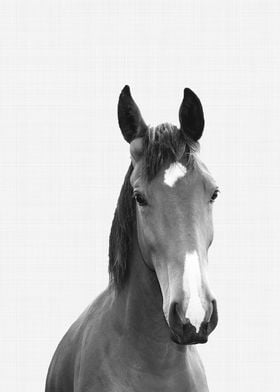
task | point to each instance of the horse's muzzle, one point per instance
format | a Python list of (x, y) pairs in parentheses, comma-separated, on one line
[(185, 332)]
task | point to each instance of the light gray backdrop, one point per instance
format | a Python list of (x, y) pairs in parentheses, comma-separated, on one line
[(63, 160)]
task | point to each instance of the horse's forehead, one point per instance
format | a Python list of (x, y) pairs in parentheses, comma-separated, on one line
[(173, 173), (178, 173), (170, 175)]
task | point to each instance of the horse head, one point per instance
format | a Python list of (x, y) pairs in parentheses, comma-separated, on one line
[(174, 194)]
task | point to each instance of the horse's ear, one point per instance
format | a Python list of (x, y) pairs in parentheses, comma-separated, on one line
[(129, 116), (191, 115)]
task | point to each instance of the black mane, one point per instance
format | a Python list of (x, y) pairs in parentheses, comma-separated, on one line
[(161, 145)]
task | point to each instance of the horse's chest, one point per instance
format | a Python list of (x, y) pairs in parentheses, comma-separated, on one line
[(113, 377)]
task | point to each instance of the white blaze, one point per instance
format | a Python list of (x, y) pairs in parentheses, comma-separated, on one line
[(193, 286), (173, 173)]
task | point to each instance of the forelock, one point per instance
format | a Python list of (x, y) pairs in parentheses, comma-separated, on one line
[(165, 144)]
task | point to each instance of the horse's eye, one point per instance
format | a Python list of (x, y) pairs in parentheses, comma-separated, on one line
[(140, 199), (214, 196)]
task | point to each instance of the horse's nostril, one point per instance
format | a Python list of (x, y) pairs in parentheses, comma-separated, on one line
[(214, 315), (214, 307), (172, 311), (208, 312), (174, 318), (180, 313), (204, 327)]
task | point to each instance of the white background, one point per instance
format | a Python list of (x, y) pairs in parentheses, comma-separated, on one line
[(63, 160)]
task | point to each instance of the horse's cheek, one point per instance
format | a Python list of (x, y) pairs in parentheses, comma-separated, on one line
[(150, 235)]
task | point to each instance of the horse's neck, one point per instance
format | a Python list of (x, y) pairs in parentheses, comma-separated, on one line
[(144, 329)]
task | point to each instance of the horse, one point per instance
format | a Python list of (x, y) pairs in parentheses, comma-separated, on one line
[(140, 334)]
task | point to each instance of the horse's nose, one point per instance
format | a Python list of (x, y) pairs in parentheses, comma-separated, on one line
[(182, 329)]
